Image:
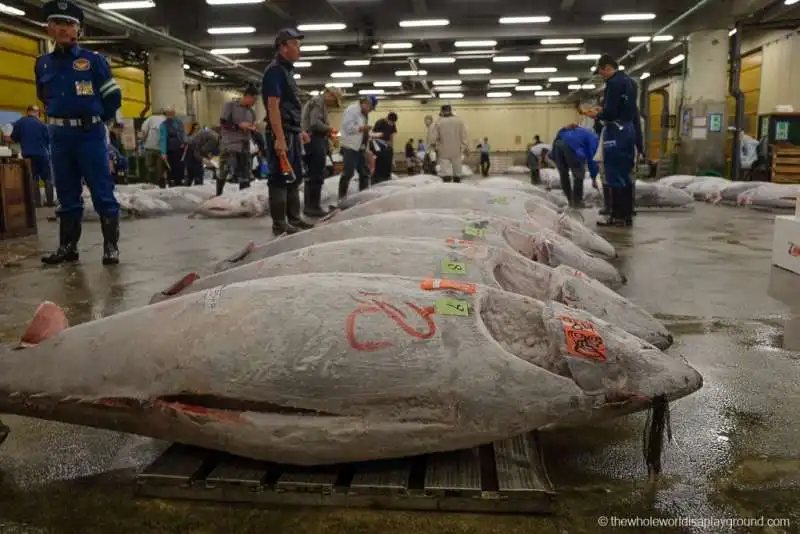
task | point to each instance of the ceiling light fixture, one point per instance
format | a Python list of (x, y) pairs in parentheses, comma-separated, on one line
[(790, 2), (411, 73), (353, 74), (446, 82), (511, 59), (314, 93), (451, 95), (8, 10), (119, 6), (498, 94), (621, 67), (356, 62), (540, 70), (392, 46), (644, 76), (626, 17), (388, 84), (424, 23), (646, 39), (421, 96), (207, 73), (296, 76), (677, 59), (732, 32), (186, 67), (583, 57), (322, 27), (528, 88), (229, 51), (563, 79), (371, 92), (436, 60), (314, 48), (546, 93), (340, 85), (230, 30), (302, 64), (474, 44), (474, 71), (577, 87), (524, 20), (233, 2), (546, 42), (504, 81)]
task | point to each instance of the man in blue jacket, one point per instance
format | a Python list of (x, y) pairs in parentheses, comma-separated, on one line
[(573, 150), (34, 141), (622, 138)]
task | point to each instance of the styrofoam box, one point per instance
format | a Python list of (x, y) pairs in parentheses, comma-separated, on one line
[(786, 243)]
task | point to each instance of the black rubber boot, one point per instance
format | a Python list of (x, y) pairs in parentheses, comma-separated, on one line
[(243, 185), (633, 198), (220, 186), (277, 210), (313, 199), (69, 231), (4, 431), (293, 209), (110, 227), (606, 201)]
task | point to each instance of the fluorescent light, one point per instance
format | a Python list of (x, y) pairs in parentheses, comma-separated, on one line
[(524, 20), (314, 48), (411, 73), (474, 44), (392, 46), (790, 2), (451, 95), (563, 79), (421, 96), (644, 76), (537, 70), (593, 68), (528, 88), (446, 82), (230, 30), (436, 60), (388, 84), (371, 92), (323, 27), (186, 67), (233, 2), (546, 93), (229, 51), (560, 49), (583, 57), (646, 39), (207, 73), (624, 17), (8, 10), (511, 59), (354, 74), (356, 62), (302, 64), (340, 85), (117, 6), (314, 93), (560, 41), (732, 32), (425, 23), (498, 94), (677, 59), (504, 81), (621, 67), (474, 71), (296, 76), (578, 87)]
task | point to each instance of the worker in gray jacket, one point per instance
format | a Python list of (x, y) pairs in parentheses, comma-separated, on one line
[(203, 143), (238, 122), (314, 122)]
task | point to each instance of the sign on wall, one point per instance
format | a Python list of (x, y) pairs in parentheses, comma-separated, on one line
[(781, 130), (715, 122)]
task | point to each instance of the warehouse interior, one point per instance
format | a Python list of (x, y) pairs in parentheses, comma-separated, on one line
[(708, 443)]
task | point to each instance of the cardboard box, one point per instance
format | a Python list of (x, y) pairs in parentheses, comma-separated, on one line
[(786, 243)]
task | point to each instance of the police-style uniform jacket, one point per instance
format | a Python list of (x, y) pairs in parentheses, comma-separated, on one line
[(279, 82)]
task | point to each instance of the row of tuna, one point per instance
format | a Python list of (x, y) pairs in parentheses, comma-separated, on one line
[(722, 191), (430, 318)]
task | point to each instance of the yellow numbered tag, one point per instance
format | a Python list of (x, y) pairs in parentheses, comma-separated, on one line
[(453, 267), (500, 200), (446, 306), (474, 231)]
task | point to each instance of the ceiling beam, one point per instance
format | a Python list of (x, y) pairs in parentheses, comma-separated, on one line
[(421, 10), (500, 33)]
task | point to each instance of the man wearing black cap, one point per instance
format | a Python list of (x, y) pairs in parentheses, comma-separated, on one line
[(383, 147), (238, 123), (284, 135), (621, 138), (80, 95)]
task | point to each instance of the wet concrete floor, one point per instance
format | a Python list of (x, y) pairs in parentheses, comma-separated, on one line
[(735, 454)]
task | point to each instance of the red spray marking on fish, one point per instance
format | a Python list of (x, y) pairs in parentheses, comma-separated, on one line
[(794, 250), (583, 340), (376, 305)]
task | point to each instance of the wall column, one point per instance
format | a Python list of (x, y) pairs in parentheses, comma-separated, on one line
[(705, 98), (166, 80)]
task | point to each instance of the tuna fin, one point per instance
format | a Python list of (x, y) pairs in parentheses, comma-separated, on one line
[(48, 321), (180, 285), (242, 254)]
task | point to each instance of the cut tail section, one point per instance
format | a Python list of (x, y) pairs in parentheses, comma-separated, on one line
[(658, 423), (48, 321), (179, 286)]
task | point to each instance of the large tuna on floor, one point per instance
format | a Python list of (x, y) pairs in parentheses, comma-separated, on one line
[(538, 244), (500, 182), (464, 262), (502, 202), (322, 369), (655, 195)]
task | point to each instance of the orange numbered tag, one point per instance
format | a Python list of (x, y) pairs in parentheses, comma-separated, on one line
[(583, 340), (433, 284)]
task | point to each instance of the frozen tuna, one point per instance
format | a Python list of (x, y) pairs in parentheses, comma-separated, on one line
[(654, 195), (538, 244), (502, 202), (517, 185), (245, 203), (462, 261), (322, 369), (731, 192)]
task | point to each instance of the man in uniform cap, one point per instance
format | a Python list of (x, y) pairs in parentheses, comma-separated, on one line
[(284, 135), (80, 95)]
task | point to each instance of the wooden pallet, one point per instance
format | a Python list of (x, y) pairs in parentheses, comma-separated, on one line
[(786, 164), (505, 477)]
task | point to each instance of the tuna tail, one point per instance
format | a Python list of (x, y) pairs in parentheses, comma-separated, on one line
[(657, 422), (176, 288), (235, 258), (48, 321)]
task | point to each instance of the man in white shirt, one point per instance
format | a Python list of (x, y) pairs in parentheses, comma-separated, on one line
[(354, 140), (150, 136)]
